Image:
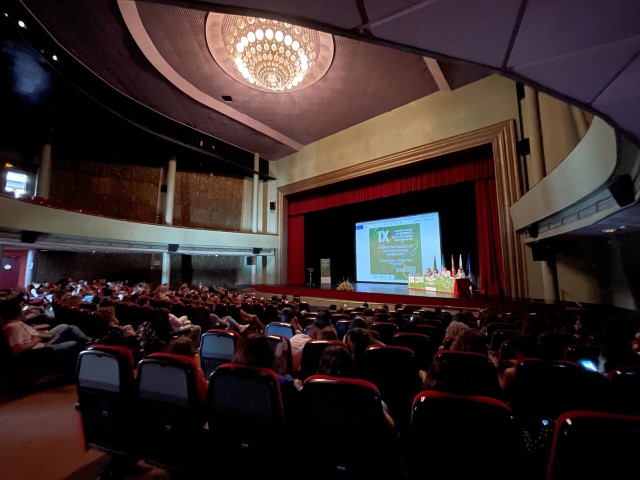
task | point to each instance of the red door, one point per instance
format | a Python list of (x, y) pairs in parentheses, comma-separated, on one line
[(10, 272)]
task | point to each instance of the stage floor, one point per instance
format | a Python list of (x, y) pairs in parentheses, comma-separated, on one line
[(377, 294), (373, 293)]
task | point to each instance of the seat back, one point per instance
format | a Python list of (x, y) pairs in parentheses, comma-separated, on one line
[(342, 327), (386, 330), (421, 345), (542, 389), (245, 415), (553, 344), (217, 347), (171, 416), (342, 421), (466, 373), (106, 399), (464, 436), (311, 353), (393, 370), (624, 387), (280, 328), (500, 335), (594, 445)]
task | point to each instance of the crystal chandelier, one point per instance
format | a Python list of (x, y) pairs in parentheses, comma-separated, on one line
[(271, 55)]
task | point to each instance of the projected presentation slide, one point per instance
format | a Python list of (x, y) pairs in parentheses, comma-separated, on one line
[(392, 249)]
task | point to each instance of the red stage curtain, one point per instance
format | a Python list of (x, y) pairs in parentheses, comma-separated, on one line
[(295, 250), (445, 175), (491, 275), (437, 174)]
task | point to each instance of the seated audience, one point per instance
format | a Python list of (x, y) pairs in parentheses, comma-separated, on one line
[(66, 341)]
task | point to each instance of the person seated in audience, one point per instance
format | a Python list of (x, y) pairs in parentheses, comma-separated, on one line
[(256, 350), (452, 331), (357, 340), (470, 340), (183, 323), (460, 273), (183, 347), (227, 322), (428, 273), (619, 337), (357, 322), (337, 361), (66, 341), (124, 335), (586, 325), (255, 325), (288, 315), (320, 329)]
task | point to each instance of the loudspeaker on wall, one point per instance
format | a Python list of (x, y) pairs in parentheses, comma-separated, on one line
[(540, 252), (27, 236), (622, 190), (173, 247)]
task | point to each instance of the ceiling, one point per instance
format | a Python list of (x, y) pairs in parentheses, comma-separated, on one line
[(150, 59)]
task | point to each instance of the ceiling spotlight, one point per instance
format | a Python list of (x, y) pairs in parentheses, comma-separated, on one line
[(609, 230), (21, 24), (55, 58)]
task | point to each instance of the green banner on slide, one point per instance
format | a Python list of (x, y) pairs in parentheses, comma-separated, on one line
[(432, 284), (395, 251)]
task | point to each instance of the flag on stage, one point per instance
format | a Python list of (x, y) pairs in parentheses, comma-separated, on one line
[(435, 265), (460, 262), (469, 274), (442, 263), (453, 264)]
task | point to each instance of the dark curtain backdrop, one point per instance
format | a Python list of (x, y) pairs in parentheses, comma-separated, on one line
[(475, 166)]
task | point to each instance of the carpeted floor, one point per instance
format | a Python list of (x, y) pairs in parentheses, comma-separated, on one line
[(41, 438)]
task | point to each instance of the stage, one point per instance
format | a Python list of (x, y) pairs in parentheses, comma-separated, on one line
[(377, 294), (374, 294)]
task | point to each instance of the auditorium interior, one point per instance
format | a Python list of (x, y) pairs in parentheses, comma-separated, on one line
[(170, 142)]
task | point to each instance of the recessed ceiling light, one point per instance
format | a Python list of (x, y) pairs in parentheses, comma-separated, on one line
[(609, 230), (21, 24)]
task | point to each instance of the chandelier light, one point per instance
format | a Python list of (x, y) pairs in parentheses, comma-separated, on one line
[(270, 54)]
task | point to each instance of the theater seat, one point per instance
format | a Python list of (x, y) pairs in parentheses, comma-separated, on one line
[(246, 418), (280, 328), (106, 398), (591, 445), (170, 413), (343, 432), (464, 436), (217, 347)]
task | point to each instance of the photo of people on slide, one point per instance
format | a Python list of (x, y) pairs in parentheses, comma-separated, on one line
[(395, 251)]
